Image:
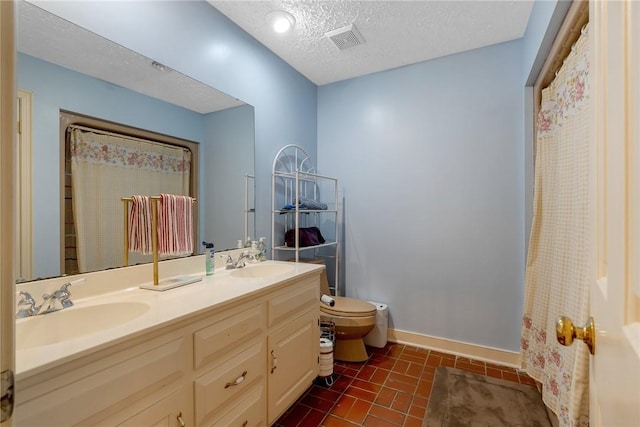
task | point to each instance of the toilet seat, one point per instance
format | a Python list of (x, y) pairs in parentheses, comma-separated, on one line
[(349, 307)]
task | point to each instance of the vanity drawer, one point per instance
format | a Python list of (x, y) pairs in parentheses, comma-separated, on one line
[(219, 340), (217, 391), (294, 301), (249, 412)]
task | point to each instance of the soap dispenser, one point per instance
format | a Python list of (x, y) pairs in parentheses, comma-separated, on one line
[(209, 258), (262, 248)]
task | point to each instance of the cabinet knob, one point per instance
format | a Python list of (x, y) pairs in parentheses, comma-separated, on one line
[(274, 361), (245, 423), (237, 381), (180, 420)]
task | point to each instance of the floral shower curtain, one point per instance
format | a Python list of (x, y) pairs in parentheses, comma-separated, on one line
[(557, 281), (106, 167)]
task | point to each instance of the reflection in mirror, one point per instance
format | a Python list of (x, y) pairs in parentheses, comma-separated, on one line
[(106, 162), (64, 67)]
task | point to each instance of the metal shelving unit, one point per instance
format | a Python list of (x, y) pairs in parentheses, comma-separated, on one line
[(294, 178)]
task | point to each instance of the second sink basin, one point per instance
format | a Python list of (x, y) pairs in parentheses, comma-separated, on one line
[(75, 322), (261, 271)]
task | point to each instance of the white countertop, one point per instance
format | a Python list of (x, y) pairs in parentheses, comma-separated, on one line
[(165, 307)]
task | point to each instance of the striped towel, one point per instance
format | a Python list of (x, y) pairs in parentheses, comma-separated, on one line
[(175, 225), (140, 225)]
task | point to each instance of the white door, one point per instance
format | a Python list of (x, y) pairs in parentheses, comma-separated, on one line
[(7, 141), (615, 292)]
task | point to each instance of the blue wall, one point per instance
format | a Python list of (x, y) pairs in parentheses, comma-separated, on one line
[(430, 162)]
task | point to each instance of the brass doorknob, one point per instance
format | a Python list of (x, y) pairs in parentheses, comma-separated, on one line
[(566, 332)]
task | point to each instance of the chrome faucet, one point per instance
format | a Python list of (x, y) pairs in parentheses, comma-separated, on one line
[(57, 300), (239, 263), (26, 305)]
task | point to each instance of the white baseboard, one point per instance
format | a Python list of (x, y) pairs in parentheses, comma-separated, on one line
[(472, 351)]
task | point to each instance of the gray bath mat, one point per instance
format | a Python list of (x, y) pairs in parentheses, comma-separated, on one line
[(459, 398)]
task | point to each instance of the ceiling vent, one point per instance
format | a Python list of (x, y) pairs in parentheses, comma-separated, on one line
[(345, 37)]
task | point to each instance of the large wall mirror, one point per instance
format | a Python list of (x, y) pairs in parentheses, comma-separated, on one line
[(63, 67)]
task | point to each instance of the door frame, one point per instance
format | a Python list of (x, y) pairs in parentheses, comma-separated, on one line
[(7, 185)]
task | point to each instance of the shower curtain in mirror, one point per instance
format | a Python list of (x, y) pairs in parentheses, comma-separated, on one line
[(106, 167), (557, 273)]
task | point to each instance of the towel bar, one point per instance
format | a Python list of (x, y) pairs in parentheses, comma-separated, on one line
[(154, 240)]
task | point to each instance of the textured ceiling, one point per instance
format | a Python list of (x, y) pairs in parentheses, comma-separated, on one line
[(396, 33), (50, 38)]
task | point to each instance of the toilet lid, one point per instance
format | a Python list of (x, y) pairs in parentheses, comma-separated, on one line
[(349, 307)]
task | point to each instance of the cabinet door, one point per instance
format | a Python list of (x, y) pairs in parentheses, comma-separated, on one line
[(293, 362), (95, 391)]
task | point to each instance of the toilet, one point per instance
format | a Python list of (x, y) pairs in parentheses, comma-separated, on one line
[(353, 319)]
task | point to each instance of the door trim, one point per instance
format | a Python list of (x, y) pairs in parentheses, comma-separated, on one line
[(24, 212)]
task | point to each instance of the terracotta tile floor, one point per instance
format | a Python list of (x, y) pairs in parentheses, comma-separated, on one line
[(391, 389)]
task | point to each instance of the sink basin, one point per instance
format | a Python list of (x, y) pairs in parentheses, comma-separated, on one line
[(75, 322), (261, 271)]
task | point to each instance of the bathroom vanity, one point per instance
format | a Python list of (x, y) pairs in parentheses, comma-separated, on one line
[(235, 349)]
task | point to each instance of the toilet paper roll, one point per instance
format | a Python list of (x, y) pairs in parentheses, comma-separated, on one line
[(325, 343), (328, 300)]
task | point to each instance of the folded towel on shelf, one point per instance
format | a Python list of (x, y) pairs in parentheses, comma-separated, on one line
[(140, 239), (312, 204), (307, 204), (175, 225)]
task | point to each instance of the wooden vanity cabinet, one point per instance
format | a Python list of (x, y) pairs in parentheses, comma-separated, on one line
[(242, 364)]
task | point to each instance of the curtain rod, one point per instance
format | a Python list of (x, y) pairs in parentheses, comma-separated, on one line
[(572, 50), (125, 136)]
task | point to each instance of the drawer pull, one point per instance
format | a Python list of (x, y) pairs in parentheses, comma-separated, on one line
[(180, 420), (237, 381), (274, 361), (245, 423)]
